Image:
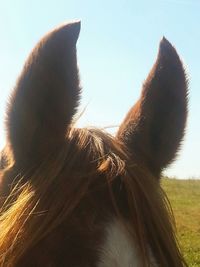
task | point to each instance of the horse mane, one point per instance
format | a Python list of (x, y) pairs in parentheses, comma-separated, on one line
[(29, 214)]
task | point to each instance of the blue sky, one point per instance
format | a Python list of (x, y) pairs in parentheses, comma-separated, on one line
[(116, 49)]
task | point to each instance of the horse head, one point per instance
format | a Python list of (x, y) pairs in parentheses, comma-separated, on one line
[(81, 197)]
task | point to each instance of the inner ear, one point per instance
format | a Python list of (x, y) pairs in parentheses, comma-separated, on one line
[(153, 129)]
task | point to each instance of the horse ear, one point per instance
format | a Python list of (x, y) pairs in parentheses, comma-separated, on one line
[(154, 127), (46, 95)]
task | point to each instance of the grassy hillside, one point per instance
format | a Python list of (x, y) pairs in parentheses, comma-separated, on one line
[(184, 196)]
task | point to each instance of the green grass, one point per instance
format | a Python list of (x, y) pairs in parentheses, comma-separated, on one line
[(184, 196)]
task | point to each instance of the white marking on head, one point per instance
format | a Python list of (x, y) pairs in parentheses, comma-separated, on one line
[(119, 250)]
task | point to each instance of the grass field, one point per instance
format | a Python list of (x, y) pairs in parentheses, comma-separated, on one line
[(184, 196)]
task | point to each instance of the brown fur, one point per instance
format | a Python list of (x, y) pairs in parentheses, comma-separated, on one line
[(61, 185), (154, 127)]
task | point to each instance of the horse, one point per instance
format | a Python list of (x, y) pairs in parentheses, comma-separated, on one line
[(81, 197)]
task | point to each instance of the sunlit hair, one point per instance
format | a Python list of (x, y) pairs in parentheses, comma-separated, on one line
[(37, 205)]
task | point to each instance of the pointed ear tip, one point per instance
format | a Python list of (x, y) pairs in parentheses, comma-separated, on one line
[(66, 27), (165, 45), (164, 40), (75, 25)]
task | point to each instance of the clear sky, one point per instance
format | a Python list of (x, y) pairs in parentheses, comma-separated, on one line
[(116, 49)]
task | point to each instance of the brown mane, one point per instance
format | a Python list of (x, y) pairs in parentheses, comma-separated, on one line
[(58, 180)]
